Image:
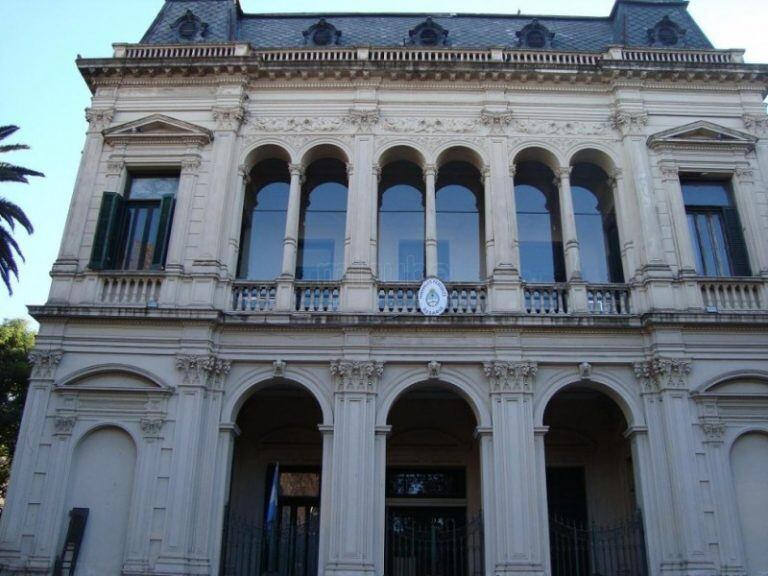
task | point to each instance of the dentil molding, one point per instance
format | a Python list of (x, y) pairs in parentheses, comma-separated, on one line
[(356, 376)]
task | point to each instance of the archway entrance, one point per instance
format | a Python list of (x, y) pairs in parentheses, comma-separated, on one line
[(594, 523), (273, 515), (433, 500)]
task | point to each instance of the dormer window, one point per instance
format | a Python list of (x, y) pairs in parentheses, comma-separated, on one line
[(428, 33), (666, 33), (322, 33), (535, 36)]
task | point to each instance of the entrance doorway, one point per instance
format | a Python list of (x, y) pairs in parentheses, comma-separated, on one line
[(273, 516), (594, 523), (433, 515)]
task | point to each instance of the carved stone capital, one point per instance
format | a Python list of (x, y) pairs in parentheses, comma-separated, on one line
[(63, 425), (512, 170), (669, 172), (354, 376), (296, 170), (190, 165), (713, 428), (564, 172), (115, 166), (744, 174), (278, 369), (228, 118), (660, 374), (208, 371), (485, 174), (433, 370), (350, 170), (756, 123), (496, 121), (430, 170), (364, 120), (44, 362), (99, 118), (629, 123), (151, 427), (510, 376), (377, 172)]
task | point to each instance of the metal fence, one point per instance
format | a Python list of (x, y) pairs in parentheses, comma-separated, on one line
[(612, 550), (254, 550), (434, 549)]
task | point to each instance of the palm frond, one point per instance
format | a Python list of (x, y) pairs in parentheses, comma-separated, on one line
[(11, 173), (13, 147), (6, 131), (13, 213)]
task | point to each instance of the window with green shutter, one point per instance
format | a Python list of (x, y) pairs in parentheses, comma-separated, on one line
[(133, 231)]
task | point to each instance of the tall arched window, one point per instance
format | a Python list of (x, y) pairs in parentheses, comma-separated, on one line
[(264, 213), (323, 222), (401, 223), (460, 230), (538, 223), (596, 227)]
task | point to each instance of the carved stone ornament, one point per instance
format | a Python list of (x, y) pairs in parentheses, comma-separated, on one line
[(322, 33), (364, 119), (44, 362), (228, 118), (190, 165), (63, 425), (209, 371), (433, 370), (190, 27), (497, 121), (629, 122), (559, 127), (666, 32), (428, 33), (510, 376), (151, 427), (756, 124), (298, 124), (662, 373), (99, 118), (535, 36), (430, 125), (713, 428), (278, 369), (353, 376), (585, 370)]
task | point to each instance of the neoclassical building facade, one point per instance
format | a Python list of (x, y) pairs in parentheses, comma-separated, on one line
[(234, 373)]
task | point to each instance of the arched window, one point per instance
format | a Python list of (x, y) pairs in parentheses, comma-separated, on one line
[(401, 223), (596, 227), (460, 230), (264, 213), (538, 223), (323, 222)]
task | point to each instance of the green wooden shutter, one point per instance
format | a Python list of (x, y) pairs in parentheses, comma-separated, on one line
[(107, 229), (167, 204), (737, 248)]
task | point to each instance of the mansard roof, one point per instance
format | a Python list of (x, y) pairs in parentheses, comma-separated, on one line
[(632, 23)]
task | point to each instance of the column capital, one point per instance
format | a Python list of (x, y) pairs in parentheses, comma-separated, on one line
[(203, 370), (63, 424), (151, 428), (564, 172), (512, 170), (713, 428), (44, 362), (190, 165), (99, 118), (350, 170), (505, 377), (430, 170), (115, 166), (356, 376), (377, 171), (629, 123), (670, 172), (228, 117), (296, 169), (744, 174), (485, 173), (658, 374)]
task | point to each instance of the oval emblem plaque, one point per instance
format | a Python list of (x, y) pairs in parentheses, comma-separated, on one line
[(433, 297)]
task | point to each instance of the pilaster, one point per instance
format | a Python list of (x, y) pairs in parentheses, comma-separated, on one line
[(353, 462), (516, 507)]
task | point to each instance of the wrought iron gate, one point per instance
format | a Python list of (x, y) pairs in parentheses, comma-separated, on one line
[(434, 548), (288, 549), (613, 550)]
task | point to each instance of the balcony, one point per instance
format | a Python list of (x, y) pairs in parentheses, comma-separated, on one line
[(402, 298), (731, 295)]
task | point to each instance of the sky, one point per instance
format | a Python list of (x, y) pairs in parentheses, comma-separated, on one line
[(42, 92)]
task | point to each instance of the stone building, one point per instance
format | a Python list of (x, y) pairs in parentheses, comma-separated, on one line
[(235, 372)]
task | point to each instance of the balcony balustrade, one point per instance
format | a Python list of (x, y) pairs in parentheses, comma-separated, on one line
[(731, 295), (463, 299), (546, 299), (130, 289), (317, 296), (250, 297), (608, 299)]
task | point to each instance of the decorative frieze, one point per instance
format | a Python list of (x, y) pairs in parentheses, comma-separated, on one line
[(662, 373), (510, 376), (278, 369), (629, 123), (298, 124), (228, 118), (559, 128), (63, 425), (209, 371), (354, 376), (420, 125), (44, 362), (433, 370)]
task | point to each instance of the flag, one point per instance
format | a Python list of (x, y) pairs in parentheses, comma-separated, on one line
[(272, 504)]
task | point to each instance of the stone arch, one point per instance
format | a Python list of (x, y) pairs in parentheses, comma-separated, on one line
[(614, 388), (594, 153), (325, 148), (93, 427), (267, 149), (401, 150), (81, 375), (538, 152), (452, 379), (260, 378), (460, 151), (708, 386)]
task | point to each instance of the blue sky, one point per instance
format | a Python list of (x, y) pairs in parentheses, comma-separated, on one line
[(43, 92)]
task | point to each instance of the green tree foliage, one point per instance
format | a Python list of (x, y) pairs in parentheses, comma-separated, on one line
[(10, 213), (16, 341)]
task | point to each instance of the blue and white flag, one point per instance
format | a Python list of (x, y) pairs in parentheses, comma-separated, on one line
[(272, 505)]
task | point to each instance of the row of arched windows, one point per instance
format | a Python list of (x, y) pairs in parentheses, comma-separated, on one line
[(402, 228)]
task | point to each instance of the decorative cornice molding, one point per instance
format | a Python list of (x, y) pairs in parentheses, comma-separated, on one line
[(356, 376), (660, 374), (510, 376), (209, 371), (44, 362), (629, 123)]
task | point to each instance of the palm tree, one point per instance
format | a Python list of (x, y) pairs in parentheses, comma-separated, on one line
[(10, 213)]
